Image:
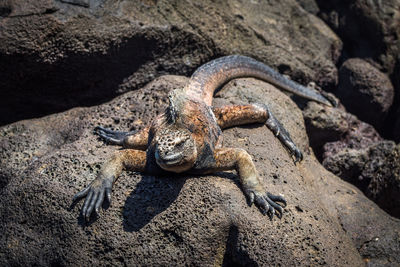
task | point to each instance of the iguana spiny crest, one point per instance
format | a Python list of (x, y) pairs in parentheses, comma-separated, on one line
[(176, 99)]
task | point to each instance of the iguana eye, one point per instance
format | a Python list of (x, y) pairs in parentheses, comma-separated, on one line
[(180, 144)]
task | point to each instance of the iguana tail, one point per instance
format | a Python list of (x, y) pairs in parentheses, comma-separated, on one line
[(210, 76)]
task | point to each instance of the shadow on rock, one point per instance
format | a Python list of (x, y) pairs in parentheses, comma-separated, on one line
[(234, 255), (93, 218), (151, 196), (97, 76)]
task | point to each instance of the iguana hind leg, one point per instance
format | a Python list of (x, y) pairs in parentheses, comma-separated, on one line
[(101, 186), (133, 139), (229, 116), (240, 160)]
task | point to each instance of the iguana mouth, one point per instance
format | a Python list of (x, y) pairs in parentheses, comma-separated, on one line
[(172, 159), (168, 159)]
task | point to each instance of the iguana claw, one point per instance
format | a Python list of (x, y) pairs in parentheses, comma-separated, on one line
[(267, 203), (110, 136), (94, 194)]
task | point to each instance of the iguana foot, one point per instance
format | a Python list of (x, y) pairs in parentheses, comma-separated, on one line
[(266, 202), (277, 128), (110, 136), (95, 193)]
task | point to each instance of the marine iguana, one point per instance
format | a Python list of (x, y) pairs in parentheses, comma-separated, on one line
[(187, 136)]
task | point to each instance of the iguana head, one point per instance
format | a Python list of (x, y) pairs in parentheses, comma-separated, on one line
[(175, 149)]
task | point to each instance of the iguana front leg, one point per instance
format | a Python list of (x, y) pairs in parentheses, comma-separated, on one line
[(240, 160), (133, 139), (101, 187), (229, 116)]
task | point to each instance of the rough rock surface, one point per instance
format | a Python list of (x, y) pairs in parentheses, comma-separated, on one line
[(370, 29), (396, 126), (365, 91), (332, 130), (354, 151), (324, 125), (359, 135), (374, 169), (310, 6), (184, 219), (55, 55)]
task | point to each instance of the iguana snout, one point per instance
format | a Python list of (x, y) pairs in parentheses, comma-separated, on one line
[(175, 150)]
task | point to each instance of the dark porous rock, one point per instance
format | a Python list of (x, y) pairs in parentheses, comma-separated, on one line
[(373, 232), (309, 5), (370, 29), (359, 135), (55, 55), (354, 151), (178, 219), (396, 127), (394, 118), (374, 169), (331, 130), (365, 91), (324, 124)]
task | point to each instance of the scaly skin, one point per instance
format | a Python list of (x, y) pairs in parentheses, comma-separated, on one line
[(188, 136)]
